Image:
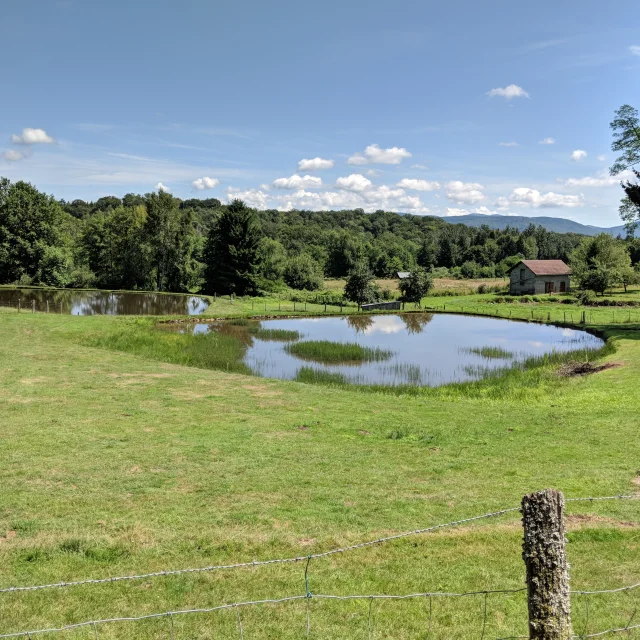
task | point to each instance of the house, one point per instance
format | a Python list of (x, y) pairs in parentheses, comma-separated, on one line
[(403, 275), (539, 276)]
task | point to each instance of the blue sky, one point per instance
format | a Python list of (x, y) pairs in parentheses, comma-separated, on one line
[(420, 107)]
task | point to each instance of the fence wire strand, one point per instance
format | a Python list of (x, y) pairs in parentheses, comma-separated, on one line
[(308, 558)]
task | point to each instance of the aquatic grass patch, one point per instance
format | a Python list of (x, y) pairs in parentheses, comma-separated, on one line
[(491, 353), (309, 375), (327, 352), (212, 350), (275, 335)]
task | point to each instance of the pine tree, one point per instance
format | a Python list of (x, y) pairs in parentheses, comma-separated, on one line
[(232, 250)]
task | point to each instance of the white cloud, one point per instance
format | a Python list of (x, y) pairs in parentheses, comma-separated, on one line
[(451, 211), (370, 199), (547, 141), (14, 155), (205, 183), (602, 158), (420, 166), (298, 182), (508, 92), (635, 49), (464, 192), (600, 180), (513, 143), (578, 155), (418, 185), (162, 187), (315, 164), (252, 197), (373, 154), (525, 197), (354, 182), (32, 136), (485, 211)]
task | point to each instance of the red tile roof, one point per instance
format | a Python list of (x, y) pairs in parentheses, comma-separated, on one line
[(547, 267)]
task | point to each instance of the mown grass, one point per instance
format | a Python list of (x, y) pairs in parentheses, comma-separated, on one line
[(328, 352), (115, 462)]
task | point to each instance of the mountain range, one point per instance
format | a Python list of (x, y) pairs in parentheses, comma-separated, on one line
[(560, 225)]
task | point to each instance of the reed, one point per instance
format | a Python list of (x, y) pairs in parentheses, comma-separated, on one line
[(328, 352)]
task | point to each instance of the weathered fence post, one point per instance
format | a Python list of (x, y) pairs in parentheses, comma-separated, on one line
[(543, 552), (18, 305), (33, 306)]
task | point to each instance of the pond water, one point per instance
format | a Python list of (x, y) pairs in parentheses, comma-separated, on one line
[(426, 349), (88, 303)]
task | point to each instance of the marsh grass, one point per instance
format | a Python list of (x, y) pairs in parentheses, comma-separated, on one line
[(309, 375), (492, 353), (212, 350), (327, 352), (275, 335)]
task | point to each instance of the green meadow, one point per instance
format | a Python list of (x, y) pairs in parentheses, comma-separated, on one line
[(125, 451)]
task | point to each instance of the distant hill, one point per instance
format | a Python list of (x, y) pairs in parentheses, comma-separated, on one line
[(560, 225)]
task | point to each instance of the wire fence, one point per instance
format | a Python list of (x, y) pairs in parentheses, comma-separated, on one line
[(308, 596)]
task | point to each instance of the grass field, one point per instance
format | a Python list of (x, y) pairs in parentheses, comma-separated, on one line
[(115, 462), (450, 284)]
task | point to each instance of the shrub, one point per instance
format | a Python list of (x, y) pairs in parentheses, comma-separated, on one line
[(586, 297)]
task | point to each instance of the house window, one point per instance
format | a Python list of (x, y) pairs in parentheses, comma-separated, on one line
[(521, 276)]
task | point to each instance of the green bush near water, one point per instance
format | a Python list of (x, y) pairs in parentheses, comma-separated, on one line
[(329, 352)]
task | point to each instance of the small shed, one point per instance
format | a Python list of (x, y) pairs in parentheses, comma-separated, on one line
[(539, 276), (403, 275)]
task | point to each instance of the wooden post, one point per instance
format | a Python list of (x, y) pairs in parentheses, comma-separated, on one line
[(18, 305), (543, 552), (47, 306), (33, 306)]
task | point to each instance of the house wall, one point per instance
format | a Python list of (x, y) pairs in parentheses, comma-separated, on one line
[(534, 284)]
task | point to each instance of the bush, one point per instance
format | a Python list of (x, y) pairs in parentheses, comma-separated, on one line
[(303, 272), (586, 297)]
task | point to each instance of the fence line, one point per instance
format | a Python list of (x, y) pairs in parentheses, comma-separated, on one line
[(324, 554), (308, 596)]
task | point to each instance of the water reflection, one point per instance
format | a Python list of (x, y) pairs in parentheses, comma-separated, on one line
[(428, 349), (88, 303)]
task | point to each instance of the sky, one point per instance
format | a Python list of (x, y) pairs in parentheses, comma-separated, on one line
[(439, 108)]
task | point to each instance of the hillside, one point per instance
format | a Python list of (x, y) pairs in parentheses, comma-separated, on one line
[(559, 225)]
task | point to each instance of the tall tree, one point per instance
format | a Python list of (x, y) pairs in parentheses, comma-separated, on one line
[(232, 252), (360, 286), (600, 262), (416, 286), (626, 142), (31, 225), (162, 228)]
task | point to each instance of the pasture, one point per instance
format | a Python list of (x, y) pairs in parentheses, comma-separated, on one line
[(120, 461)]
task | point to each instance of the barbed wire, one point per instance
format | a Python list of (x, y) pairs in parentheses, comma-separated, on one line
[(309, 596), (607, 632), (259, 563), (235, 605)]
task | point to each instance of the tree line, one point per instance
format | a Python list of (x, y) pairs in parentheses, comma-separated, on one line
[(161, 243)]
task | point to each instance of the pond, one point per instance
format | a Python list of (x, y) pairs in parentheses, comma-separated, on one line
[(89, 303), (421, 349)]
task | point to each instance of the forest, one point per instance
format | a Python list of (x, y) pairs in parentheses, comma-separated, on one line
[(159, 242)]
